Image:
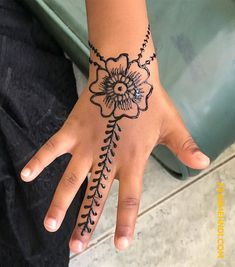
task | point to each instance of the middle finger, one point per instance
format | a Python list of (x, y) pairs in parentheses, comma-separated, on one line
[(92, 206)]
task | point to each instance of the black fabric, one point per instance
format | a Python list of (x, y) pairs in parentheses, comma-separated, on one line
[(37, 92)]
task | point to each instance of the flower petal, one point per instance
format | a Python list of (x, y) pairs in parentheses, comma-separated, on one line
[(139, 74), (96, 87), (119, 63), (146, 90), (106, 108), (133, 112)]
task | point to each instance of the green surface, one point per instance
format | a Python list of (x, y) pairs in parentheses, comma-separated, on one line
[(195, 42)]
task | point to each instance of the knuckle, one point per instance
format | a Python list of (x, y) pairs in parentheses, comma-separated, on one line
[(189, 145), (124, 230), (73, 121), (71, 128), (129, 203), (50, 145), (37, 159), (69, 180), (56, 208), (132, 154)]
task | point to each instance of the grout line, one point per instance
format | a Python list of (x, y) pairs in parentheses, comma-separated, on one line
[(110, 232), (180, 189)]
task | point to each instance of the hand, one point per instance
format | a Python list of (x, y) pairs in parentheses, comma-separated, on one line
[(121, 115)]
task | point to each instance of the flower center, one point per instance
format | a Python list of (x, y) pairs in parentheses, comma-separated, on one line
[(120, 88)]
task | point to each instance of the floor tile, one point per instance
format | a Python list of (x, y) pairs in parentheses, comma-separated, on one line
[(158, 185), (180, 231)]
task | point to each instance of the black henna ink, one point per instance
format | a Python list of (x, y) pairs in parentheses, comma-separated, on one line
[(97, 53), (121, 89), (110, 143), (148, 61), (144, 44)]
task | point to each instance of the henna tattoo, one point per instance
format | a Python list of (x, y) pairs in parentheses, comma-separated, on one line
[(142, 49), (148, 61), (121, 89), (97, 53), (108, 152)]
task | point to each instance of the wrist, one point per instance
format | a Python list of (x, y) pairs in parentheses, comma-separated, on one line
[(142, 52)]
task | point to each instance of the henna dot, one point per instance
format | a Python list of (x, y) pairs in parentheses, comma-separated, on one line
[(120, 88)]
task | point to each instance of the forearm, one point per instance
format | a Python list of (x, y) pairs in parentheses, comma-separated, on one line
[(118, 26)]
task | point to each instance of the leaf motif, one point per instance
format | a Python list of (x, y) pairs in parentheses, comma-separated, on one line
[(94, 212), (102, 156), (99, 194), (81, 224), (96, 202), (102, 185), (101, 163), (105, 176), (103, 148), (107, 168), (112, 152), (116, 136), (114, 144), (92, 187), (119, 128), (109, 160)]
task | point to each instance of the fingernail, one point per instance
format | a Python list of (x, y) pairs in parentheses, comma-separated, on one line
[(51, 222), (26, 172), (124, 242), (202, 157), (79, 246)]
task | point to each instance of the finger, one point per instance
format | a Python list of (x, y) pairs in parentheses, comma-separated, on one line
[(92, 206), (53, 148), (130, 186), (182, 144), (66, 190)]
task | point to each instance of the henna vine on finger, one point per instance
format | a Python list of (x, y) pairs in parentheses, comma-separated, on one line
[(121, 89)]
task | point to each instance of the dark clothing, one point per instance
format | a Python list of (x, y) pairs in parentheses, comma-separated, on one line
[(37, 92)]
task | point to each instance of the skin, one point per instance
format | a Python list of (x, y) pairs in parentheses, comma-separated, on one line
[(83, 132)]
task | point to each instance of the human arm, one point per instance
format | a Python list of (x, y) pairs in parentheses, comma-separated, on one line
[(120, 127)]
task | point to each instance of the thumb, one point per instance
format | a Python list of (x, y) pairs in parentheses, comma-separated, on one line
[(181, 143)]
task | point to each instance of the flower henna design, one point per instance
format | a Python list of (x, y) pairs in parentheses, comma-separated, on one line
[(121, 89)]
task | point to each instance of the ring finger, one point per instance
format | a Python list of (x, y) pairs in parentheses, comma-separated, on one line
[(130, 186)]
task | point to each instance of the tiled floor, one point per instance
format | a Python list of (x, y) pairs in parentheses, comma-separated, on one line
[(177, 221)]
